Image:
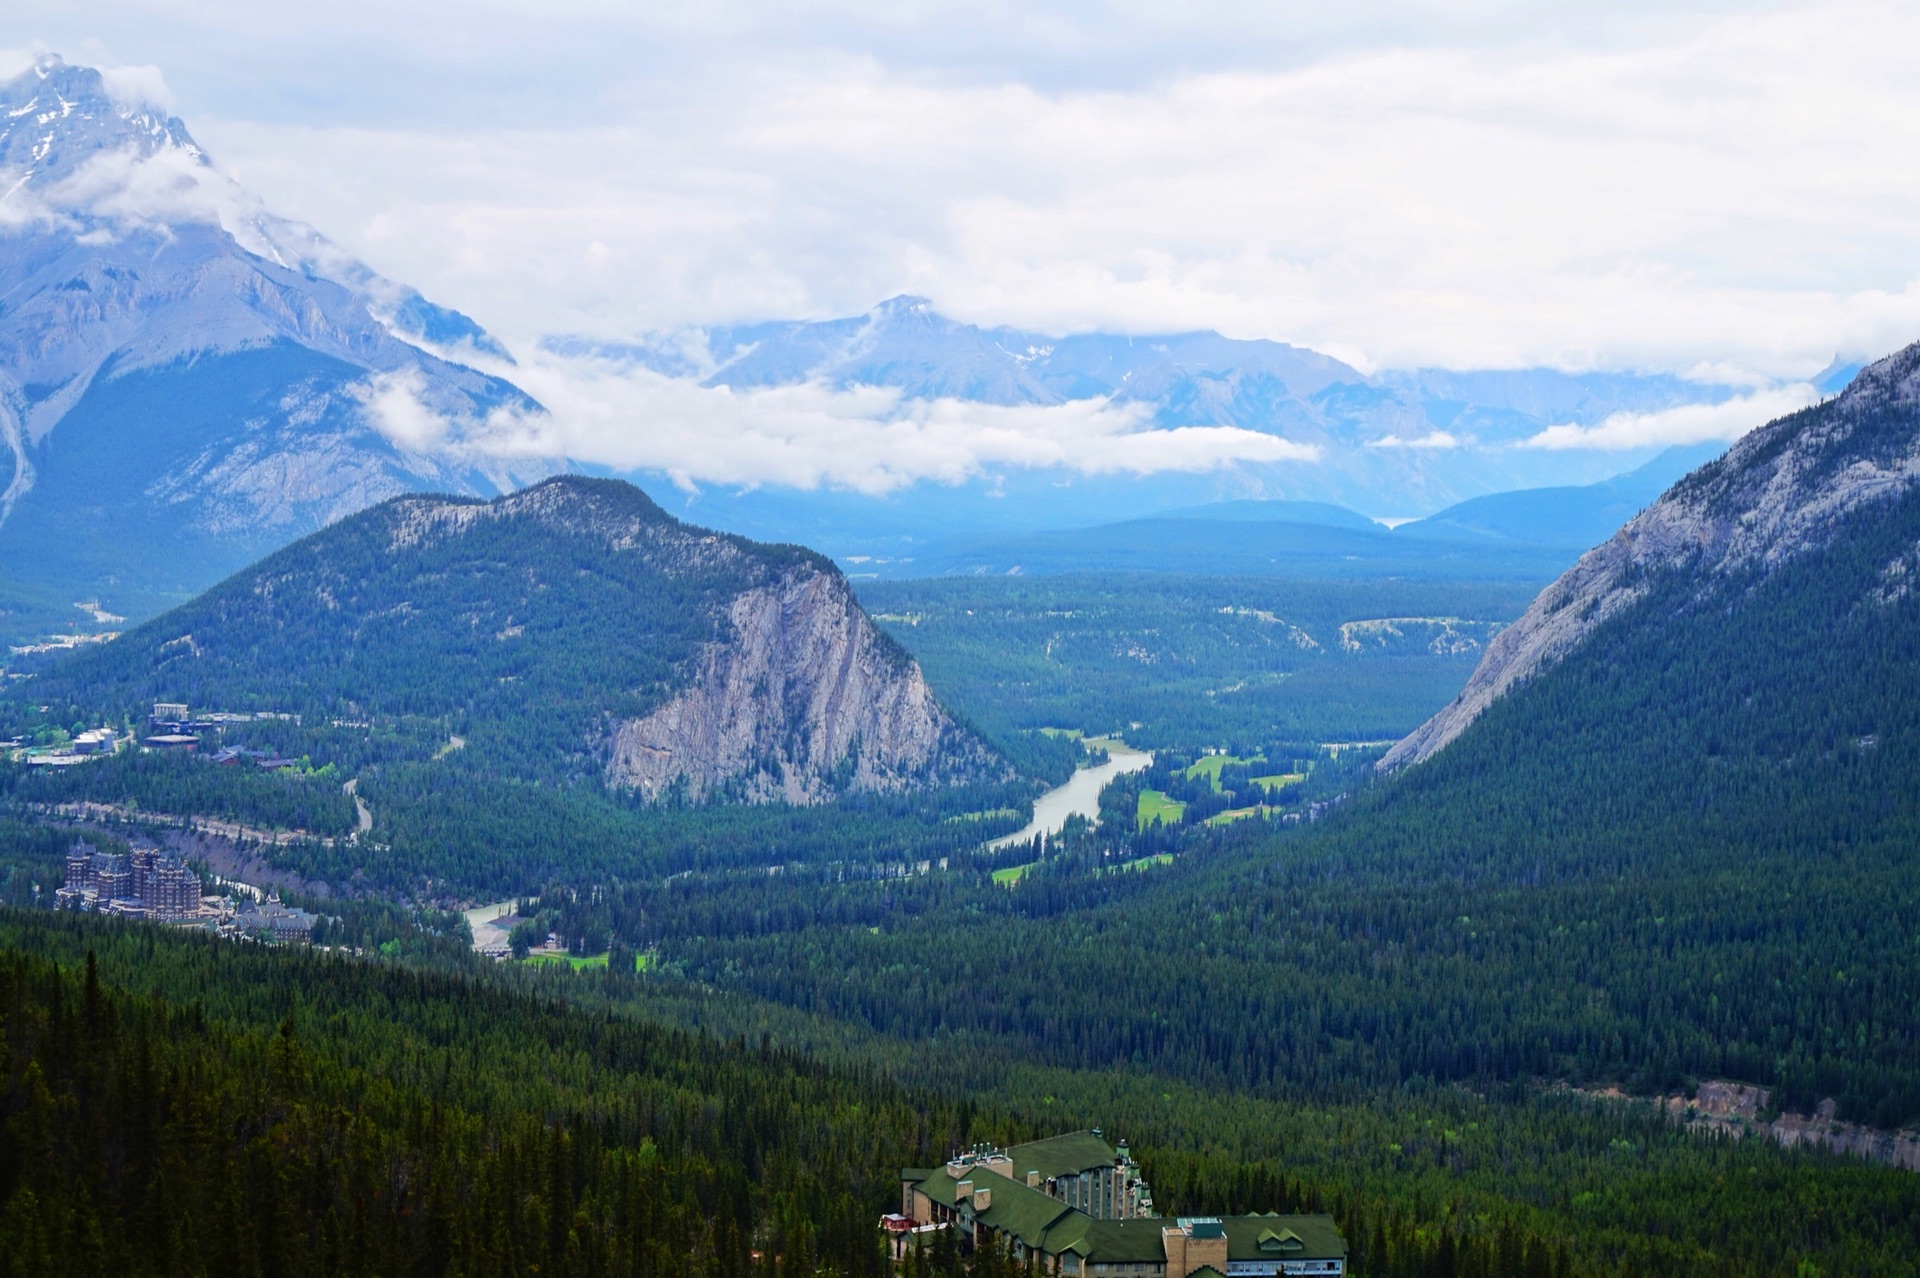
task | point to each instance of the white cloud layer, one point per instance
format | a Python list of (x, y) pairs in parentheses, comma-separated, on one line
[(1688, 424), (1436, 439), (1673, 186), (864, 438), (868, 439), (1717, 188)]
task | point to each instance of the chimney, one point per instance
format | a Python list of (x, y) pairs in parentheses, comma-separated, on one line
[(1033, 1180), (982, 1199)]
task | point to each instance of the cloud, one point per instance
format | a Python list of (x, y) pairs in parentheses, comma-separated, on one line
[(394, 405), (1660, 198), (1688, 424), (1432, 439), (138, 88), (868, 439), (171, 187)]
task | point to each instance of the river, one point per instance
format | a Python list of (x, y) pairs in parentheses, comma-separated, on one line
[(1081, 794), (487, 934)]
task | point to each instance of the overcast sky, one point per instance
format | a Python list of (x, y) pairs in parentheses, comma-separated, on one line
[(1727, 190)]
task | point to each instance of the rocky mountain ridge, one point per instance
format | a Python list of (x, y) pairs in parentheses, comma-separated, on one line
[(1392, 442), (1776, 494), (804, 697), (568, 632)]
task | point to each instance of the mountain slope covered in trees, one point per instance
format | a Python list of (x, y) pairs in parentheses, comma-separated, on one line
[(570, 632), (1787, 489), (1686, 850)]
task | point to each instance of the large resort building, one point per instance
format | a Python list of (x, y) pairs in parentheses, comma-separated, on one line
[(148, 884), (1078, 1206)]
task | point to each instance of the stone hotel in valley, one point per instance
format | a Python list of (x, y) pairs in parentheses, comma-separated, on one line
[(1077, 1205), (147, 884)]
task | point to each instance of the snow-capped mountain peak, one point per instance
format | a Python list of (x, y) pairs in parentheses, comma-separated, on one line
[(176, 356), (55, 118)]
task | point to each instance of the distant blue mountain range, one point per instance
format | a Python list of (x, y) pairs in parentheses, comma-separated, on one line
[(1528, 534), (1399, 443)]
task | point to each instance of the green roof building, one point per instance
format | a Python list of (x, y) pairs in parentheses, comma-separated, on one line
[(1076, 1205)]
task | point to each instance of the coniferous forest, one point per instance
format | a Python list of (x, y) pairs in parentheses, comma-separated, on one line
[(728, 776), (177, 1105), (1447, 1007)]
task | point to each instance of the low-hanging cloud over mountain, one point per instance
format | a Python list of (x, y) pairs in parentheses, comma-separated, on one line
[(1687, 424), (866, 438)]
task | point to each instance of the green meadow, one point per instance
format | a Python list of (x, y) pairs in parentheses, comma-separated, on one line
[(1156, 806)]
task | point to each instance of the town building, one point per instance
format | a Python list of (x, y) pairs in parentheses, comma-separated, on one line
[(96, 741), (1075, 1205), (146, 883), (273, 921)]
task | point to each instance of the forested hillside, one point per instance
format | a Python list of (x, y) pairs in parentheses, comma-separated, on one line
[(563, 681), (177, 1105), (180, 1106), (1687, 851), (1191, 661)]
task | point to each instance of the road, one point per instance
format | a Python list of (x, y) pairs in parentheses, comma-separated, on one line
[(362, 814)]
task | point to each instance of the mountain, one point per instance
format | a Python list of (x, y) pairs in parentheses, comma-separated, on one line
[(1830, 477), (1529, 533), (571, 631), (1575, 517), (1396, 442), (1671, 844), (188, 381), (1227, 540), (1321, 513)]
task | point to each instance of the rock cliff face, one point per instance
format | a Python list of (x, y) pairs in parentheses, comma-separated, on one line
[(1776, 494), (796, 698), (801, 699)]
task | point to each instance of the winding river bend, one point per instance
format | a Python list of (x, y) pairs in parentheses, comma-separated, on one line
[(1081, 794)]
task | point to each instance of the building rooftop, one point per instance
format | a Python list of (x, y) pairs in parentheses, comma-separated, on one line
[(1067, 1155), (1284, 1237), (1019, 1211)]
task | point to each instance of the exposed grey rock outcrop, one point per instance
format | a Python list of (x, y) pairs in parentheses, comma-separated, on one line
[(1776, 494), (801, 700)]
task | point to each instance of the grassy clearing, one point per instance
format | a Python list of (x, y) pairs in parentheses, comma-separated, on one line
[(1012, 874), (1236, 814), (1146, 862), (1154, 806), (1280, 780), (570, 960), (1061, 734), (640, 961), (1209, 767)]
